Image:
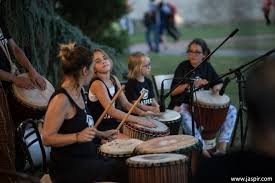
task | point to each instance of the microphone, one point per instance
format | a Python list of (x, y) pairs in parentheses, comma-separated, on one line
[(225, 83), (233, 33)]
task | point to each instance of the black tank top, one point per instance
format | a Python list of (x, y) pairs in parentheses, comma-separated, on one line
[(97, 109), (74, 125)]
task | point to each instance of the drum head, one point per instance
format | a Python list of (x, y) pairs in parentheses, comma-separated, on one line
[(120, 146), (34, 98), (154, 159), (168, 115), (161, 128), (206, 98), (169, 143)]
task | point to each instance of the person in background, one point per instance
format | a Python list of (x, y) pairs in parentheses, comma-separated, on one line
[(266, 6), (151, 21), (180, 97), (102, 88), (139, 67), (8, 50), (68, 126), (250, 164)]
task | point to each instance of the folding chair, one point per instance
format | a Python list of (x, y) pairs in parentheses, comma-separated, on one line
[(157, 80), (35, 153)]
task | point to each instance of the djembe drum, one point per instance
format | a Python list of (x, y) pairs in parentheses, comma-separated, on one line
[(209, 113), (119, 149), (30, 103), (144, 133), (158, 168), (182, 144), (172, 119)]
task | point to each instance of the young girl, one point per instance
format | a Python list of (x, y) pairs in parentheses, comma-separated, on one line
[(197, 50), (139, 66), (68, 126), (102, 88)]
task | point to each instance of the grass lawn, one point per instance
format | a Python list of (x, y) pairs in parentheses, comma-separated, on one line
[(221, 31)]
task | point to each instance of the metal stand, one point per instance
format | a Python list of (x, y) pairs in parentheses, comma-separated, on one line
[(191, 104), (242, 108)]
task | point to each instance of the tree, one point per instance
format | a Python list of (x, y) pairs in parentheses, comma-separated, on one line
[(39, 30), (97, 19)]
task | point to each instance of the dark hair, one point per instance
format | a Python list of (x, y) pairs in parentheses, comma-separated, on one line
[(260, 94), (202, 44), (73, 59)]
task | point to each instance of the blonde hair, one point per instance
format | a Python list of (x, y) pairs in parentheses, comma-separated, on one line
[(105, 54), (135, 61)]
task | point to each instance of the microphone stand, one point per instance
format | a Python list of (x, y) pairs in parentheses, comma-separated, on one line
[(192, 107), (242, 108), (187, 75)]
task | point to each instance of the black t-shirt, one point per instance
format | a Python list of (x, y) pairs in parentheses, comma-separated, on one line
[(4, 37), (205, 71), (248, 165), (133, 90)]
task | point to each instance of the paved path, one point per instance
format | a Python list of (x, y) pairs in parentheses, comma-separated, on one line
[(178, 48)]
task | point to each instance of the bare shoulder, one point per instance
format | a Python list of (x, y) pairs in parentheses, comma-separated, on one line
[(59, 100)]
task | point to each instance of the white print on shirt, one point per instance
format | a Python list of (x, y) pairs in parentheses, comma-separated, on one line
[(145, 100), (90, 120), (107, 116), (146, 93)]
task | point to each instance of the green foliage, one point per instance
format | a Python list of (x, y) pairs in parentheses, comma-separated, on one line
[(37, 29), (96, 19)]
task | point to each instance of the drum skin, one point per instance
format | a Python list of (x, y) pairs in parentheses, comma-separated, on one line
[(144, 133), (119, 148), (32, 104), (172, 143), (172, 119)]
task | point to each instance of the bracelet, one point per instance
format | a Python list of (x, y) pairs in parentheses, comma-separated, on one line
[(76, 136)]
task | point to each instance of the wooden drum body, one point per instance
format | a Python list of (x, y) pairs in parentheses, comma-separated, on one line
[(30, 103), (120, 148), (158, 168), (172, 119), (144, 133), (210, 112)]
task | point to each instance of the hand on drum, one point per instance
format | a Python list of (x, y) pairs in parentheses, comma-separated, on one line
[(146, 122), (200, 82), (110, 134), (86, 135), (152, 113), (23, 82), (216, 89), (38, 80)]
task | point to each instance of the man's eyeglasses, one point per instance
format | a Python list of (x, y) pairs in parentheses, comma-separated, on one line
[(194, 52)]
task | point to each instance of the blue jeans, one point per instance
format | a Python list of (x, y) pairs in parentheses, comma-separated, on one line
[(152, 37)]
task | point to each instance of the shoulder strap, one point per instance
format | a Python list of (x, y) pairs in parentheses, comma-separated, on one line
[(104, 85), (115, 83), (62, 90)]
